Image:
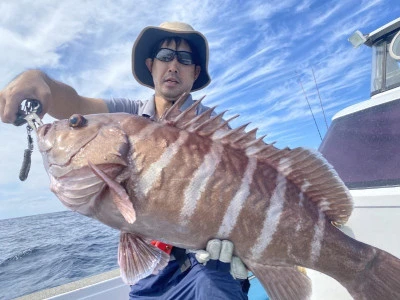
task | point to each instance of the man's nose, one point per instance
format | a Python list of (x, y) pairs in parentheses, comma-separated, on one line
[(173, 65)]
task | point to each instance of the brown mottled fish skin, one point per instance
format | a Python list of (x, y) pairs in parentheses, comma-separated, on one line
[(187, 179)]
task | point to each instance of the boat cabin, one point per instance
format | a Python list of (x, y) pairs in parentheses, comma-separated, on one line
[(363, 140)]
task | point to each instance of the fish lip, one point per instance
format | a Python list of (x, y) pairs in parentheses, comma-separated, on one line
[(44, 144), (44, 129)]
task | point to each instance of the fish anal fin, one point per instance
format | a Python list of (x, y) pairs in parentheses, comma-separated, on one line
[(119, 195), (138, 259), (282, 282)]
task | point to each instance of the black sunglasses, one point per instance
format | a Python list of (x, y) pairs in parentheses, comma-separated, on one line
[(184, 57)]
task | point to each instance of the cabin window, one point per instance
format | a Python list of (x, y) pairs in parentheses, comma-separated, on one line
[(394, 48), (393, 62), (386, 64), (377, 67)]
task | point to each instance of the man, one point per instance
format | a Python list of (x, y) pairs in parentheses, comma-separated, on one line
[(172, 59)]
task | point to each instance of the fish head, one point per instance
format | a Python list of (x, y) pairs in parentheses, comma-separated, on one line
[(69, 146)]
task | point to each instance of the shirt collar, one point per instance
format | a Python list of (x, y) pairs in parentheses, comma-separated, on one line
[(149, 108), (188, 102)]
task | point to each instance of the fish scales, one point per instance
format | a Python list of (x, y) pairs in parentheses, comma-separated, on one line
[(272, 224), (188, 179), (205, 177)]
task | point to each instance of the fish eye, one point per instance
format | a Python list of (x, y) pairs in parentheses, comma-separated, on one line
[(77, 120)]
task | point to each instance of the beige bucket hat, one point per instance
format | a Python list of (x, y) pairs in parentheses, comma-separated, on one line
[(151, 35)]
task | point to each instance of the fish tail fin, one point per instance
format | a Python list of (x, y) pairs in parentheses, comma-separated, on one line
[(379, 280), (282, 282)]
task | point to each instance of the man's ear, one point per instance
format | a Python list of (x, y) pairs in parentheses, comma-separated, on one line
[(197, 72), (149, 64)]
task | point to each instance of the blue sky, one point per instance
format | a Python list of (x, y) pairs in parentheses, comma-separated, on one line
[(259, 51)]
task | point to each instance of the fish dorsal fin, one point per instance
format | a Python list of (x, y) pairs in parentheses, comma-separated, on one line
[(315, 177), (173, 112), (203, 124), (306, 168), (174, 116)]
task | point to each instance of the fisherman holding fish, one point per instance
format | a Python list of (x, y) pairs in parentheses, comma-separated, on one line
[(172, 59)]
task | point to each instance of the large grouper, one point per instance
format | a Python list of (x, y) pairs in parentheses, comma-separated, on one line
[(187, 179)]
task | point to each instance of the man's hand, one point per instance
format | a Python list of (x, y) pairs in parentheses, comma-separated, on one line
[(29, 85), (207, 274), (58, 99), (219, 256)]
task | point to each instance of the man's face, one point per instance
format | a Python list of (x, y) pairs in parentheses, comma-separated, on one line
[(172, 79)]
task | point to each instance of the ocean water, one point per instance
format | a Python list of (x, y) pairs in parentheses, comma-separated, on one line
[(44, 251)]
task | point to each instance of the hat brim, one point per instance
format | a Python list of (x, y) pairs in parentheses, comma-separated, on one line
[(148, 39)]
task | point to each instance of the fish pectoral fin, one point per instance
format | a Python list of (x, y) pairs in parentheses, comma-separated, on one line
[(119, 195), (138, 259), (282, 282)]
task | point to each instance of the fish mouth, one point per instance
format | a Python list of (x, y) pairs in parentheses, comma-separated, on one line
[(44, 143), (66, 152), (44, 129)]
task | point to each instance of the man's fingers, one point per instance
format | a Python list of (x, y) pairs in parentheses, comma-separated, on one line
[(220, 250), (238, 269), (219, 256), (226, 251), (9, 114), (28, 85), (214, 248), (202, 256)]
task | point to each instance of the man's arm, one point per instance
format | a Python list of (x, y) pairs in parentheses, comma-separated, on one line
[(57, 99), (66, 101)]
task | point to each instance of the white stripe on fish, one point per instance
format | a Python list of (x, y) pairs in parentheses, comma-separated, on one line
[(284, 166), (236, 205), (301, 199), (272, 217), (144, 133), (319, 229), (198, 183), (153, 173)]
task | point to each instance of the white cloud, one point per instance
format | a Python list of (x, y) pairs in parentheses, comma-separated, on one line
[(303, 6), (328, 12)]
